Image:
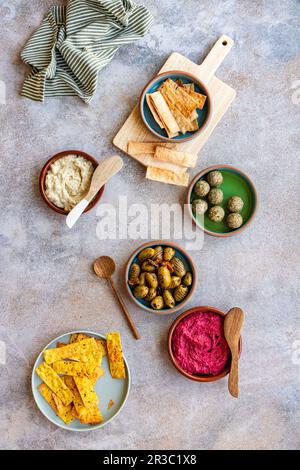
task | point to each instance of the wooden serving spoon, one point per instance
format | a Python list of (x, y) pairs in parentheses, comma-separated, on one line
[(233, 323), (104, 267), (104, 171)]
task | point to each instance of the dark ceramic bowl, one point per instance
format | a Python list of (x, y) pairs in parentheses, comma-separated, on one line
[(197, 378), (180, 253), (204, 115), (45, 169)]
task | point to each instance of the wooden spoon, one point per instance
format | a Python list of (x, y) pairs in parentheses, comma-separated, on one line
[(104, 171), (104, 267), (233, 323)]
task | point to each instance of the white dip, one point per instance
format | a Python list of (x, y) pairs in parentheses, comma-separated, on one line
[(68, 181)]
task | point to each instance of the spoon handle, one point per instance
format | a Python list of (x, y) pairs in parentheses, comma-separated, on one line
[(124, 308), (233, 382)]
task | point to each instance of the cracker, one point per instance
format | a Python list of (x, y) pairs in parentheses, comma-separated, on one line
[(168, 177), (86, 415), (91, 415), (78, 369), (46, 392), (164, 114), (179, 158), (140, 148), (179, 97), (85, 351), (54, 382), (154, 112), (115, 355), (63, 411), (86, 389)]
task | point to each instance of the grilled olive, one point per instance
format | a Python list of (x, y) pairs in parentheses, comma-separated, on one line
[(148, 267), (178, 267), (168, 253), (175, 282), (164, 277), (168, 299), (146, 253), (151, 280), (158, 253), (140, 292), (180, 292), (157, 303), (151, 294), (187, 279), (134, 273), (142, 279)]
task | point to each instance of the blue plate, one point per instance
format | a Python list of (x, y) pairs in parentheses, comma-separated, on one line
[(106, 388), (179, 253), (154, 84)]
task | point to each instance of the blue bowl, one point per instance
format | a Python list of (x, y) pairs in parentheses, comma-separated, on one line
[(179, 253), (152, 86)]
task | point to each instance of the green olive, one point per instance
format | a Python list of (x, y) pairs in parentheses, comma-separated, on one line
[(142, 279), (169, 252), (158, 253), (164, 277), (175, 282), (148, 267), (187, 280), (140, 292), (168, 299), (151, 294), (151, 280), (146, 253), (180, 293), (134, 273), (157, 303), (178, 267)]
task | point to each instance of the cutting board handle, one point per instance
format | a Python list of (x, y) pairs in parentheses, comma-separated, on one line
[(215, 57)]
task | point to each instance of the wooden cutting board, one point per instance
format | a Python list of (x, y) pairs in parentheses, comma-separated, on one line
[(222, 97)]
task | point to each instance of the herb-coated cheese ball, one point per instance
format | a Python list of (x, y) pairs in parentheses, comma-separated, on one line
[(199, 206), (201, 188), (216, 213), (235, 204), (215, 178), (234, 220), (215, 196)]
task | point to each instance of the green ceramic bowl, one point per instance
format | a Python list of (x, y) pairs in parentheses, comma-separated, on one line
[(235, 183), (106, 388)]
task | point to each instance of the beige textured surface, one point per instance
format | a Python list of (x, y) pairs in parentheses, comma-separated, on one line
[(47, 285)]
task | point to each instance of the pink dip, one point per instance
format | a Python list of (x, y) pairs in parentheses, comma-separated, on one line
[(198, 344)]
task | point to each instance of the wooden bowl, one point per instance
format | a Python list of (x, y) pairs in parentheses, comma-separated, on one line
[(204, 115), (197, 378), (45, 169), (236, 183), (189, 264)]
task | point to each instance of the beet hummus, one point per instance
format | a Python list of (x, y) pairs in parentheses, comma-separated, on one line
[(198, 344)]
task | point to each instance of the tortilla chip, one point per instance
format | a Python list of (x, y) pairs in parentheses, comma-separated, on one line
[(165, 176), (164, 114), (85, 351), (140, 148), (115, 355), (78, 369), (63, 411), (54, 382), (86, 390), (179, 158)]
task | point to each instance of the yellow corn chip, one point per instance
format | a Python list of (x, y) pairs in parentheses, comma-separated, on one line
[(63, 411), (165, 176), (54, 382), (115, 355), (85, 351), (78, 369), (86, 389), (173, 156)]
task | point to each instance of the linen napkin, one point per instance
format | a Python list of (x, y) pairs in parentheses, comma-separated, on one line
[(75, 41)]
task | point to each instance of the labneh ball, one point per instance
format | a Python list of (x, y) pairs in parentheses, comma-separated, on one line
[(215, 178), (201, 188), (215, 196), (199, 206), (216, 213), (235, 204), (234, 220)]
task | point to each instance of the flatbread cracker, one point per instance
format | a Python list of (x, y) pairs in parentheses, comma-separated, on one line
[(179, 97), (164, 114), (46, 392), (85, 351), (101, 343), (164, 176), (63, 411), (115, 355), (54, 382), (173, 156), (154, 111), (78, 369), (86, 389), (141, 148), (86, 415)]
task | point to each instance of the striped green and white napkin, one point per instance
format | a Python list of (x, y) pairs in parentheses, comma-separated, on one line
[(75, 41)]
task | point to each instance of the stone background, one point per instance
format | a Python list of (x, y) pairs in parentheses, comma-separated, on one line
[(47, 285)]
